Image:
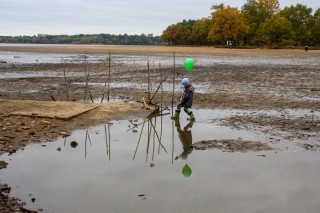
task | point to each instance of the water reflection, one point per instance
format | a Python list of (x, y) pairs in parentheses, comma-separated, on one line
[(152, 135), (84, 179), (185, 136)]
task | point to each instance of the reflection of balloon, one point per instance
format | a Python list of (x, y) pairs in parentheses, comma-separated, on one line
[(186, 171), (188, 64)]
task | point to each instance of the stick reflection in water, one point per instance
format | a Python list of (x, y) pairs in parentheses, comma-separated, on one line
[(152, 135), (108, 140), (85, 143)]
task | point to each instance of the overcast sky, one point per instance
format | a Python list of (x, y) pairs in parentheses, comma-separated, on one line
[(32, 17)]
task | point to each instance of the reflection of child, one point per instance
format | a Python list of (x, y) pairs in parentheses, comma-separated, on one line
[(185, 100), (185, 136)]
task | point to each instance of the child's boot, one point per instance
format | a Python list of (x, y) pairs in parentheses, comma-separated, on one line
[(191, 116), (176, 115)]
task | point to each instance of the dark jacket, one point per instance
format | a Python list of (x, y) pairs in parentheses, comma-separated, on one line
[(187, 97)]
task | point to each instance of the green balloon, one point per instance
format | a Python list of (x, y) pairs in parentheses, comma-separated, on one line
[(186, 171), (188, 64)]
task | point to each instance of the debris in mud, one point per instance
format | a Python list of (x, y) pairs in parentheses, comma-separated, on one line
[(143, 196), (301, 127), (231, 145), (3, 164), (10, 204), (64, 134), (73, 144), (152, 165), (310, 147)]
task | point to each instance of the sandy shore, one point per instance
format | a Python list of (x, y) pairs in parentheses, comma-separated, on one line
[(156, 49)]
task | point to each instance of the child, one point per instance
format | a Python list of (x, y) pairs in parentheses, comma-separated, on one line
[(185, 100)]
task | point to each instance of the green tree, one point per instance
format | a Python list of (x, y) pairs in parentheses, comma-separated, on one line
[(200, 31), (315, 30), (255, 13), (300, 17), (276, 28), (179, 34)]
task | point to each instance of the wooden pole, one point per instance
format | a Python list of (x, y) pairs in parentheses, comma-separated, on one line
[(91, 96), (161, 96), (105, 92), (161, 100), (85, 74), (109, 136), (65, 81), (148, 81), (105, 134), (154, 138), (109, 79), (172, 141), (157, 89), (174, 79), (138, 141), (149, 134)]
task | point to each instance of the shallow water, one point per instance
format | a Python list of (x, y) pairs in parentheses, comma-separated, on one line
[(155, 60), (102, 175)]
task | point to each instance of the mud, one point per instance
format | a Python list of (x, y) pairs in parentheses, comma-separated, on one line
[(255, 86), (232, 145)]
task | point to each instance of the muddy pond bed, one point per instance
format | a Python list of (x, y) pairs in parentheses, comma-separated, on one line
[(254, 146)]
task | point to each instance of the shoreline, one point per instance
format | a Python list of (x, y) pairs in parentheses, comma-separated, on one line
[(140, 49)]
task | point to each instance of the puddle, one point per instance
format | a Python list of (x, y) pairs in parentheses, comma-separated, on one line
[(109, 170)]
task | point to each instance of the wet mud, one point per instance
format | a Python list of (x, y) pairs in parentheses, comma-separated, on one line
[(252, 87), (232, 145)]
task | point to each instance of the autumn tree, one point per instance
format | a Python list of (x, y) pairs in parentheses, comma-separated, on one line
[(170, 34), (179, 33), (228, 25), (271, 6), (276, 28)]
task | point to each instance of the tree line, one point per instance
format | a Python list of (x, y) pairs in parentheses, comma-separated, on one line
[(107, 39), (257, 23)]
